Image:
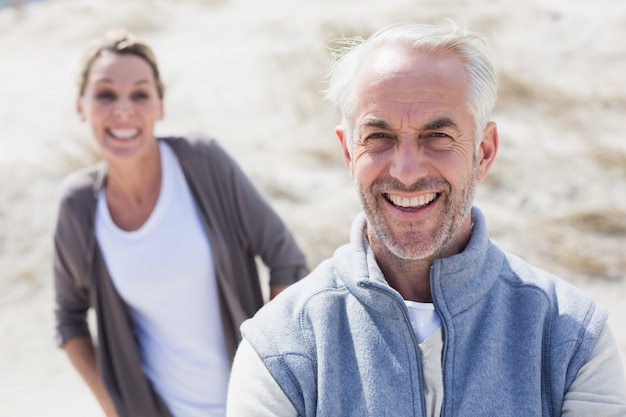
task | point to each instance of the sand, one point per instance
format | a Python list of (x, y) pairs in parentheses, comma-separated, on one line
[(250, 72)]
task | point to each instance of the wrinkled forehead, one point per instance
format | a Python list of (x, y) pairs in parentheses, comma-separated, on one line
[(403, 71), (402, 80)]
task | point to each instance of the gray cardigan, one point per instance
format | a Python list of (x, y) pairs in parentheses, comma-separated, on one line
[(240, 225)]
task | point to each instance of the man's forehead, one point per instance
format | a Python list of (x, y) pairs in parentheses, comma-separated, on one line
[(401, 77), (391, 62)]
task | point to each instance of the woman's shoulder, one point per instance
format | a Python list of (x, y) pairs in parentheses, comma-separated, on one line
[(192, 144), (200, 151), (83, 181), (77, 201)]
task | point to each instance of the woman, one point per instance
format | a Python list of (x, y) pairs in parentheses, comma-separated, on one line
[(160, 238)]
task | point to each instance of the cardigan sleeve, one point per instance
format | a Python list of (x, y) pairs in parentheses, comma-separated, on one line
[(72, 298), (261, 228)]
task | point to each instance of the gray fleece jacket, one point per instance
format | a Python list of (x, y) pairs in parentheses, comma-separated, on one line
[(340, 342)]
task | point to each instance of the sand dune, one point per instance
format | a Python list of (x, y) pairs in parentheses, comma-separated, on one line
[(250, 72)]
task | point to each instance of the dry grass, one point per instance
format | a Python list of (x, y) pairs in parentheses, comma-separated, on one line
[(515, 89), (589, 242), (75, 152), (320, 241), (275, 191), (610, 159), (325, 156), (609, 221)]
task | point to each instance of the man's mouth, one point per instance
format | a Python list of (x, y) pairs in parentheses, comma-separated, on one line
[(412, 202)]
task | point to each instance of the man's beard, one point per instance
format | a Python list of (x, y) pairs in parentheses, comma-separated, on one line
[(414, 243)]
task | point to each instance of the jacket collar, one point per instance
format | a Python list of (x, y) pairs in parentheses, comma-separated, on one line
[(457, 282), (461, 280)]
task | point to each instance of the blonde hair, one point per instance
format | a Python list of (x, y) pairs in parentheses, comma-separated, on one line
[(118, 41)]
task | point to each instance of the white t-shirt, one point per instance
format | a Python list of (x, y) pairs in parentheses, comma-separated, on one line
[(164, 272), (424, 319)]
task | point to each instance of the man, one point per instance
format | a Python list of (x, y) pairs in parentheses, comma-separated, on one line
[(421, 314)]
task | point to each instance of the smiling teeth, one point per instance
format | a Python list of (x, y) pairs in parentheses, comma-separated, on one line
[(124, 133), (412, 202)]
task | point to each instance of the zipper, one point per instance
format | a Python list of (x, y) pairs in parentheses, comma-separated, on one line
[(444, 354), (407, 322)]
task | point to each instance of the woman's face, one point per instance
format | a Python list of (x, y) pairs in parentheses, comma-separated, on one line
[(121, 104)]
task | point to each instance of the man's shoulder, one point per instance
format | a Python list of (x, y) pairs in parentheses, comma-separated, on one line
[(322, 280), (288, 308), (520, 272), (284, 326), (568, 303)]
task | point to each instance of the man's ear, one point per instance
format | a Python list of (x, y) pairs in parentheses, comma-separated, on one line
[(487, 150), (345, 147)]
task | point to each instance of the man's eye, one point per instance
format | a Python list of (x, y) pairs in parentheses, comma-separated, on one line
[(379, 141), (437, 140), (439, 135), (379, 137)]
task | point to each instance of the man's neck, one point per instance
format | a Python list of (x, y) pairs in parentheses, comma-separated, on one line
[(411, 278)]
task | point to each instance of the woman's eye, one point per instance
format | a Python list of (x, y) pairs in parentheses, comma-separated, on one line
[(106, 96), (140, 95)]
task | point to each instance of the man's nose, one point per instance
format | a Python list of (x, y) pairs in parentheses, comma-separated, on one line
[(409, 162)]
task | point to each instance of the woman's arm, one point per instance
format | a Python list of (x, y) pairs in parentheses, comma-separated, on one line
[(82, 355), (274, 291)]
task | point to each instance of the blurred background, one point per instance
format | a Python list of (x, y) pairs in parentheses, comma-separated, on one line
[(251, 73)]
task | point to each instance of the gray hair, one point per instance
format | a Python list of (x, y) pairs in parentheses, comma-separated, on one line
[(470, 47)]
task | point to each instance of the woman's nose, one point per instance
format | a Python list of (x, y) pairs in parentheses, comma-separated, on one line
[(123, 109)]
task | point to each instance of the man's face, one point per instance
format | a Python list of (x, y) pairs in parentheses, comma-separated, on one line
[(414, 158)]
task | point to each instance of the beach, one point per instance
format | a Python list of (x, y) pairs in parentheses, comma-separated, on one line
[(251, 74)]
